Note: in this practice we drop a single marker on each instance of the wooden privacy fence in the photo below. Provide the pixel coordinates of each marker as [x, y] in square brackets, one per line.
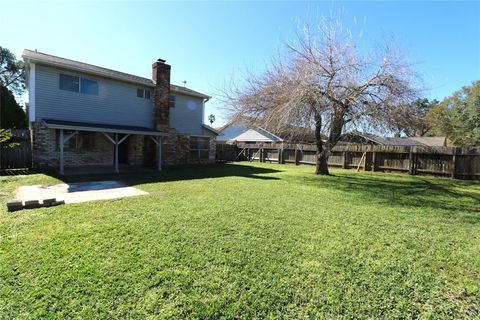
[460, 163]
[19, 156]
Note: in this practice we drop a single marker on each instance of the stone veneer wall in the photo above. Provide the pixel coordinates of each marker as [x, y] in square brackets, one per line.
[212, 153]
[135, 150]
[176, 151]
[45, 153]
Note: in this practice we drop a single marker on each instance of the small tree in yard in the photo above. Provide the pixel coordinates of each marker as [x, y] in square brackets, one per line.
[325, 83]
[11, 82]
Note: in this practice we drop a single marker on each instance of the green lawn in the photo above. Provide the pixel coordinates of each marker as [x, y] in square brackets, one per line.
[247, 241]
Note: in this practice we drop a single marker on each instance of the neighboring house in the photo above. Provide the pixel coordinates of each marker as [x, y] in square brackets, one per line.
[85, 115]
[242, 133]
[431, 141]
[365, 138]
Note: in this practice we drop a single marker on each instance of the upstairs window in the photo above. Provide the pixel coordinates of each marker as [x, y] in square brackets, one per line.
[142, 93]
[77, 84]
[171, 101]
[69, 83]
[89, 86]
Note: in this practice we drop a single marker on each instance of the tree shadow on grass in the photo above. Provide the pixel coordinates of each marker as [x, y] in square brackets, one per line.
[447, 196]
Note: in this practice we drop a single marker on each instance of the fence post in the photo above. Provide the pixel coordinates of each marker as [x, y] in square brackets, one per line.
[411, 161]
[454, 163]
[296, 155]
[262, 155]
[280, 156]
[344, 162]
[374, 160]
[365, 161]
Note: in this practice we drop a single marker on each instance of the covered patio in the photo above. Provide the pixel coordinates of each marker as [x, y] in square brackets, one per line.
[116, 134]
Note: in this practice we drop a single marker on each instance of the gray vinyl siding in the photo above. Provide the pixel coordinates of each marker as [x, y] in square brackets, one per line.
[187, 115]
[116, 102]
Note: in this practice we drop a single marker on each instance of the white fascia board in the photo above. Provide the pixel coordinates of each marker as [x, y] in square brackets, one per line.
[107, 130]
[31, 92]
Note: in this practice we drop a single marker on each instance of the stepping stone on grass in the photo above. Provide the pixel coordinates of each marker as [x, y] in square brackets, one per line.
[14, 205]
[32, 204]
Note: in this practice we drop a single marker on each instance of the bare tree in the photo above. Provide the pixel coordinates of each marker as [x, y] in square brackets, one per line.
[324, 82]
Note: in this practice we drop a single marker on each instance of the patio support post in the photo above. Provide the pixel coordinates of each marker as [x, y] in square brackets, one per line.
[116, 153]
[158, 142]
[116, 143]
[61, 142]
[159, 154]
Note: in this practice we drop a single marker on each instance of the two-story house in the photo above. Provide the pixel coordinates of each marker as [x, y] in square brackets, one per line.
[82, 115]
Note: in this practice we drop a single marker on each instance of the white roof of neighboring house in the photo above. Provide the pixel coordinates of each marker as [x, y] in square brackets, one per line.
[241, 133]
[431, 141]
[60, 62]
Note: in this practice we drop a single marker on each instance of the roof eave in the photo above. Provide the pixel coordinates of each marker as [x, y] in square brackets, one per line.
[212, 129]
[69, 67]
[105, 130]
[191, 94]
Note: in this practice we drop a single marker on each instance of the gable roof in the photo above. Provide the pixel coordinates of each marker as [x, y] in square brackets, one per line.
[248, 133]
[257, 135]
[291, 133]
[211, 129]
[51, 60]
[431, 141]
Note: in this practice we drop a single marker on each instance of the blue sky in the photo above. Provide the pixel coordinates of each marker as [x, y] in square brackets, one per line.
[209, 42]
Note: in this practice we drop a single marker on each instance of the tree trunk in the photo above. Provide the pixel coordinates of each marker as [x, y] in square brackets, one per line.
[321, 166]
[322, 163]
[324, 151]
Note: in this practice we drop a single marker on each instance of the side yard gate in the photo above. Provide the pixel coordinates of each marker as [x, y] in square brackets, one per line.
[19, 156]
[459, 163]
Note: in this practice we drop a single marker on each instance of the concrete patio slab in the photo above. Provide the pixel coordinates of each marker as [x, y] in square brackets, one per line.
[78, 192]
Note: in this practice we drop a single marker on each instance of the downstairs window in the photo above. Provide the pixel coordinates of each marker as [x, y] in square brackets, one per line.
[199, 148]
[81, 141]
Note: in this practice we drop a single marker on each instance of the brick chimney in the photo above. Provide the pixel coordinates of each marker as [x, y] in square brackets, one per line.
[161, 75]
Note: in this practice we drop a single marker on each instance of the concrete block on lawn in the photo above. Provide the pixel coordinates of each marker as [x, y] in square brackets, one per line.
[14, 205]
[49, 202]
[32, 204]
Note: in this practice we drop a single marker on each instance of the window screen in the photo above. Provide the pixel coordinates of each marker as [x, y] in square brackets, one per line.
[199, 148]
[89, 86]
[69, 83]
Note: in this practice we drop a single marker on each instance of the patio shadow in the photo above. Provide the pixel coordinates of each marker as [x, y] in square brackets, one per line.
[180, 173]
